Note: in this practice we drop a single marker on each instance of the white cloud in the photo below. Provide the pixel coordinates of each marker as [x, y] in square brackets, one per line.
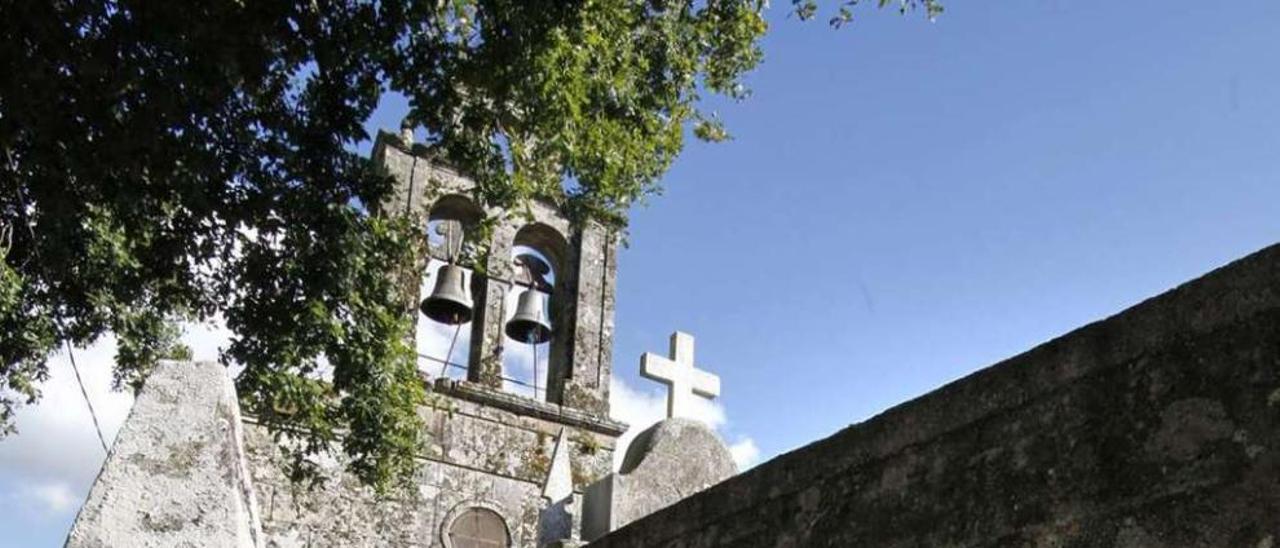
[53, 497]
[745, 453]
[56, 454]
[432, 339]
[56, 441]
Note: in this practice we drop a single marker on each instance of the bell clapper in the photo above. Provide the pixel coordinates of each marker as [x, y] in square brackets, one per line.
[534, 347]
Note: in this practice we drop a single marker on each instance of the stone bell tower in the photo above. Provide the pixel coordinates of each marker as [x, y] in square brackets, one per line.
[501, 468]
[583, 257]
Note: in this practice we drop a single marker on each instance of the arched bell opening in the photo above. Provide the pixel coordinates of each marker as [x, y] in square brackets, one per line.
[443, 334]
[532, 323]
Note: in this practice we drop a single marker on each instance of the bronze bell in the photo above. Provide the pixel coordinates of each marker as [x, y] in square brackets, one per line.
[448, 302]
[528, 325]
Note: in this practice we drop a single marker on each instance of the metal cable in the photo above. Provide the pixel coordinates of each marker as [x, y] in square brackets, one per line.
[445, 364]
[534, 346]
[92, 414]
[464, 368]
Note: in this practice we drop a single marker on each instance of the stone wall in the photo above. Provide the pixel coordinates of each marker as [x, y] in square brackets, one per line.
[1157, 427]
[486, 449]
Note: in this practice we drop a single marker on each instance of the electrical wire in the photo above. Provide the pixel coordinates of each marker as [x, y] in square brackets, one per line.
[92, 414]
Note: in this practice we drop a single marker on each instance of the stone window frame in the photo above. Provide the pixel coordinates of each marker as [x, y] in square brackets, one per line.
[460, 509]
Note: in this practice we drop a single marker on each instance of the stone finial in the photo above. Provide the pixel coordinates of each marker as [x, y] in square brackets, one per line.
[681, 376]
[406, 132]
[557, 522]
[559, 483]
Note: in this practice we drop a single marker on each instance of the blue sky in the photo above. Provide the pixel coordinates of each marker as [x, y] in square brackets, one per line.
[903, 203]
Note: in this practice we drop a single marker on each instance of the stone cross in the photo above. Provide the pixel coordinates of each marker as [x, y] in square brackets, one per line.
[679, 374]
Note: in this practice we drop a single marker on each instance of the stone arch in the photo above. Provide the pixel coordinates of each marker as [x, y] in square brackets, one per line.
[546, 240]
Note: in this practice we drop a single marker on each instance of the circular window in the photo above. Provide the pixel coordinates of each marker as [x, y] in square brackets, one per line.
[478, 528]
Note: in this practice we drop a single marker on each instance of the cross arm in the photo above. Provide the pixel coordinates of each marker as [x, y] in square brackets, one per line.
[705, 384]
[657, 368]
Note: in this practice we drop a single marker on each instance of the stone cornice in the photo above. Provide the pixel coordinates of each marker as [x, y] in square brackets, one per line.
[528, 407]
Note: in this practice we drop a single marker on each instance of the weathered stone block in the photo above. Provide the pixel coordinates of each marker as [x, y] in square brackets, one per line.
[176, 475]
[664, 464]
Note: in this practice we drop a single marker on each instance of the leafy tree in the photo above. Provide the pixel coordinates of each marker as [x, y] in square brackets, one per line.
[808, 9]
[167, 161]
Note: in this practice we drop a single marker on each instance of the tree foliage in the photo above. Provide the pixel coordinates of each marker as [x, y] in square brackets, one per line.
[169, 161]
[808, 9]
